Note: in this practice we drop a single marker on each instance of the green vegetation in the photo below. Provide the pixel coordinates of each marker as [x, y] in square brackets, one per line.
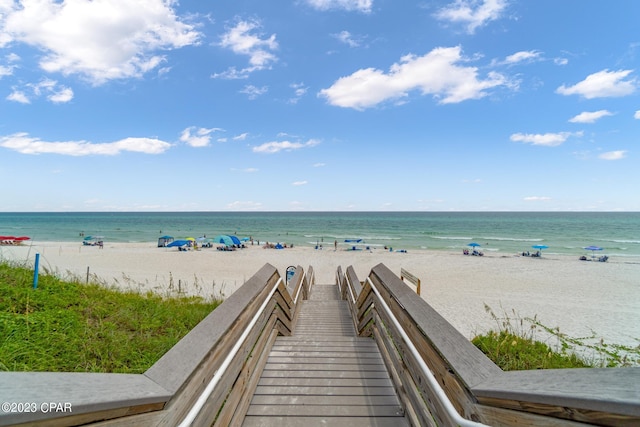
[515, 346]
[68, 326]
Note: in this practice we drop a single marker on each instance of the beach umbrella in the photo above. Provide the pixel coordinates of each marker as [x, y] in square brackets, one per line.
[593, 250]
[540, 247]
[178, 243]
[474, 244]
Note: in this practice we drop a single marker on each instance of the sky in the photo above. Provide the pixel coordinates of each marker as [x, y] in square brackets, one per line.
[319, 105]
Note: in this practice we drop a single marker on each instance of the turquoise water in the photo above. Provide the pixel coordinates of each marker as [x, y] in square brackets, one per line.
[503, 232]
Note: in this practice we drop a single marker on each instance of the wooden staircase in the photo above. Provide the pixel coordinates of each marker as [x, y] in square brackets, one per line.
[324, 374]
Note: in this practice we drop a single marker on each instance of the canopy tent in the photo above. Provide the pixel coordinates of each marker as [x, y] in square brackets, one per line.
[164, 241]
[224, 239]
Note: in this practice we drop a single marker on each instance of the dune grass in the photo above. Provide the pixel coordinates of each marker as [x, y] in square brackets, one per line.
[69, 326]
[516, 345]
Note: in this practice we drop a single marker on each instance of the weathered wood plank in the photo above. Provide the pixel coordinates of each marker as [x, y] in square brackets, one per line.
[380, 373]
[586, 391]
[91, 396]
[325, 421]
[326, 391]
[326, 400]
[324, 367]
[327, 410]
[326, 382]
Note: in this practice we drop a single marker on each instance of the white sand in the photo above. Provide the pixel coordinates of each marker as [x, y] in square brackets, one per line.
[576, 296]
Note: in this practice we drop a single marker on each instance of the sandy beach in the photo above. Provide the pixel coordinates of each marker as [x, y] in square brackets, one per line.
[578, 297]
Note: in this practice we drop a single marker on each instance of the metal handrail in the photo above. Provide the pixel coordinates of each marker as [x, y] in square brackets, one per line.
[433, 384]
[204, 396]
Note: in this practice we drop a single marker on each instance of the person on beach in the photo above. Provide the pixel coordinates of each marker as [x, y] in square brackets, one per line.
[335, 245]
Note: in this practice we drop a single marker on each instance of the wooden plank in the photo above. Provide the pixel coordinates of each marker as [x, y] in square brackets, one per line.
[380, 373]
[326, 382]
[324, 367]
[326, 410]
[326, 400]
[326, 391]
[411, 278]
[92, 396]
[325, 421]
[327, 360]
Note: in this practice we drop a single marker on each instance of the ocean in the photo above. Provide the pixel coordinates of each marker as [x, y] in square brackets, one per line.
[618, 233]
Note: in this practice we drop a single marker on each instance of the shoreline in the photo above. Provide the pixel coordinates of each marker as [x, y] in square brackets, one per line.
[578, 297]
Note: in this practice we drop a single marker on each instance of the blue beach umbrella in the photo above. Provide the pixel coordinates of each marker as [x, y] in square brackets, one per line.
[540, 247]
[178, 243]
[474, 244]
[593, 249]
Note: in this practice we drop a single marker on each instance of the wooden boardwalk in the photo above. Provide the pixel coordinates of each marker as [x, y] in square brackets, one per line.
[324, 374]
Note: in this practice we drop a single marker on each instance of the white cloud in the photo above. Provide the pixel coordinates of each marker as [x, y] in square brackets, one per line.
[349, 5]
[101, 39]
[603, 84]
[61, 96]
[18, 96]
[242, 40]
[636, 115]
[241, 137]
[560, 61]
[197, 137]
[253, 92]
[50, 88]
[23, 143]
[590, 116]
[319, 165]
[537, 199]
[347, 38]
[472, 13]
[7, 70]
[613, 155]
[275, 147]
[299, 91]
[436, 73]
[545, 139]
[298, 183]
[522, 56]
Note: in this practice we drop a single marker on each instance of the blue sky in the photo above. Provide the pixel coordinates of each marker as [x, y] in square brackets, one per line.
[307, 105]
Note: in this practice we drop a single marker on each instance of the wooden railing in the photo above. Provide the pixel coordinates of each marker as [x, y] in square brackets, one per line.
[206, 379]
[419, 346]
